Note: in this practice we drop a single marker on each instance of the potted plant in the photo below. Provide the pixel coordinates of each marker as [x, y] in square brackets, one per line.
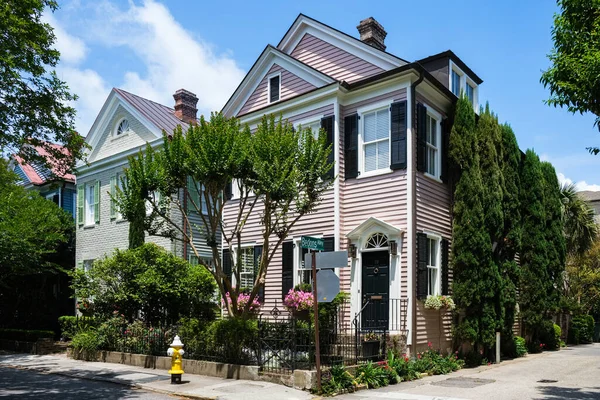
[299, 303]
[370, 345]
[439, 303]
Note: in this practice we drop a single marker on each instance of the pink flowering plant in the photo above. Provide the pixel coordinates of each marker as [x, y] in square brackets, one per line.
[298, 300]
[242, 300]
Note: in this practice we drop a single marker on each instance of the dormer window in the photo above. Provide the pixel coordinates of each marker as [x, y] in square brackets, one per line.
[470, 90]
[461, 83]
[274, 88]
[455, 83]
[123, 127]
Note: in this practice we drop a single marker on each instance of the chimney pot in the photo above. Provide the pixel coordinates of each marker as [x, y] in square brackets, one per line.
[185, 105]
[372, 33]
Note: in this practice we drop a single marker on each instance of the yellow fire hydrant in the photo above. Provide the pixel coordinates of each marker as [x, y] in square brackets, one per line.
[176, 352]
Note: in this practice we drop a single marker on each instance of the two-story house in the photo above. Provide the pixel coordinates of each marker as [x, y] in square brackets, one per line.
[390, 206]
[125, 125]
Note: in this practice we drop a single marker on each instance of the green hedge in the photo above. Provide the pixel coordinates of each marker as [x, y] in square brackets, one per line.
[71, 325]
[581, 329]
[25, 335]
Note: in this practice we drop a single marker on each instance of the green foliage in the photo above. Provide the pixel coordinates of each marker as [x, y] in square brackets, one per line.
[234, 338]
[520, 346]
[581, 229]
[582, 286]
[71, 325]
[304, 287]
[149, 279]
[581, 329]
[372, 375]
[277, 167]
[574, 76]
[548, 337]
[25, 334]
[432, 361]
[405, 368]
[337, 380]
[86, 344]
[36, 106]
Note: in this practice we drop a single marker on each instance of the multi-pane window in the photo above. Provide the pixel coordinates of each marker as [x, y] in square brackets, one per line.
[247, 267]
[123, 127]
[455, 83]
[90, 204]
[433, 266]
[469, 92]
[196, 197]
[432, 145]
[274, 88]
[376, 138]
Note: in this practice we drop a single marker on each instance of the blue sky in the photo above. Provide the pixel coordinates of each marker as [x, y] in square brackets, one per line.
[153, 48]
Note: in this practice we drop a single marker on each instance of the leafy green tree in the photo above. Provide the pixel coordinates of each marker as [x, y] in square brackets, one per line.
[581, 229]
[150, 280]
[554, 232]
[279, 173]
[574, 76]
[582, 283]
[34, 109]
[535, 280]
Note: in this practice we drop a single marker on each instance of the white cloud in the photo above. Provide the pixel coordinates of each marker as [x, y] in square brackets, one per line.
[72, 49]
[581, 185]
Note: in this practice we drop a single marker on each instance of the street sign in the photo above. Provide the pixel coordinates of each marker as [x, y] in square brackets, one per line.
[329, 259]
[312, 243]
[328, 285]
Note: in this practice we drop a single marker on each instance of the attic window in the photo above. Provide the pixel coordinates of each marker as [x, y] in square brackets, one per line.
[274, 88]
[123, 127]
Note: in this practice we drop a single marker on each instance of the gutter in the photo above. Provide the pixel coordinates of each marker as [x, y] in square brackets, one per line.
[411, 183]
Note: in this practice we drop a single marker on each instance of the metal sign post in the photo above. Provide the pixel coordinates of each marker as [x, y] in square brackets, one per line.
[316, 310]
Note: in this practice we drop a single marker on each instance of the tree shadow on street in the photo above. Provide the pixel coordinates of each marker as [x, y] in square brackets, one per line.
[557, 392]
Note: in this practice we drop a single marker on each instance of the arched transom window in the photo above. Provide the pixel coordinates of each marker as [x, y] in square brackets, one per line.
[377, 240]
[123, 127]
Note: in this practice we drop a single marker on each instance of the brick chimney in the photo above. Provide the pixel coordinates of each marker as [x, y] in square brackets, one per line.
[372, 33]
[185, 105]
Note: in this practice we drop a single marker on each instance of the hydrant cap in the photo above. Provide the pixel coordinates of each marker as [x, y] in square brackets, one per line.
[177, 342]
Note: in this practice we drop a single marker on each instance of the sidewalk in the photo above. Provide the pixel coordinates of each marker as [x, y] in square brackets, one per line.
[194, 386]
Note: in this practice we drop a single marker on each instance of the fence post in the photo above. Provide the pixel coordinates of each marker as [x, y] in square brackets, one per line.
[259, 350]
[293, 343]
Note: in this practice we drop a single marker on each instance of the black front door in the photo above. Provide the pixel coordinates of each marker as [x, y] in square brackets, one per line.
[375, 290]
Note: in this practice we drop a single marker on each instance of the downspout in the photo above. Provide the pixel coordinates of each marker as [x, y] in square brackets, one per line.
[411, 182]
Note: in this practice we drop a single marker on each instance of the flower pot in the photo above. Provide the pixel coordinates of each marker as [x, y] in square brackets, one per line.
[370, 348]
[303, 315]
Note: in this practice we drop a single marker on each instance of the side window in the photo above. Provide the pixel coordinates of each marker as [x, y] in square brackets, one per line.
[433, 266]
[376, 140]
[274, 88]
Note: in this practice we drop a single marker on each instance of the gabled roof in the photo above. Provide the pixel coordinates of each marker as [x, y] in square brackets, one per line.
[161, 116]
[268, 57]
[450, 54]
[378, 57]
[589, 195]
[37, 173]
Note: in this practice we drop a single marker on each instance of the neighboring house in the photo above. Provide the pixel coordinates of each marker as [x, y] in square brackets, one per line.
[55, 186]
[125, 124]
[593, 199]
[390, 206]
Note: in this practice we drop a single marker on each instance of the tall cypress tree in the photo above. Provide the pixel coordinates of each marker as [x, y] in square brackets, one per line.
[534, 249]
[555, 237]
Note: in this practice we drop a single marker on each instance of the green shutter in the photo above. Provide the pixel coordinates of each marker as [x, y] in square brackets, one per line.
[80, 202]
[113, 193]
[97, 202]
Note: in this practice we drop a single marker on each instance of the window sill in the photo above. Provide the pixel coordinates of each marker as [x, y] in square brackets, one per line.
[433, 178]
[115, 138]
[89, 226]
[375, 173]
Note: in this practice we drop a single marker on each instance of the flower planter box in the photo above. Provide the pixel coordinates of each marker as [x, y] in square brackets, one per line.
[370, 348]
[302, 315]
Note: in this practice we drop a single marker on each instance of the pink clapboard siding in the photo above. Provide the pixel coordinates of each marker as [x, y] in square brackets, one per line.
[333, 61]
[319, 222]
[291, 85]
[382, 196]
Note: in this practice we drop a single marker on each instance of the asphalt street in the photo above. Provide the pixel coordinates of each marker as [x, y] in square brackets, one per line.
[21, 384]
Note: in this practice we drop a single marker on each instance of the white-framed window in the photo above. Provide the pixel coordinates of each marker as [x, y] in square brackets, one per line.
[313, 125]
[192, 259]
[301, 275]
[455, 82]
[54, 197]
[196, 196]
[90, 203]
[246, 267]
[470, 92]
[374, 137]
[122, 127]
[115, 183]
[274, 88]
[460, 82]
[432, 143]
[87, 265]
[433, 265]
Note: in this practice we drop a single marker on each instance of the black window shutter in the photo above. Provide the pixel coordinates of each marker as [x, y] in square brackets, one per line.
[227, 263]
[229, 190]
[421, 137]
[327, 125]
[257, 256]
[444, 244]
[306, 274]
[351, 146]
[287, 268]
[329, 244]
[398, 135]
[445, 146]
[422, 275]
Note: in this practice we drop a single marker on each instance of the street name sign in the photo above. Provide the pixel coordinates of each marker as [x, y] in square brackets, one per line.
[329, 259]
[312, 243]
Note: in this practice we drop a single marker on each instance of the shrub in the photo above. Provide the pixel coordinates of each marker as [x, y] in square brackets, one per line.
[520, 346]
[70, 325]
[581, 329]
[337, 380]
[87, 344]
[371, 375]
[432, 361]
[548, 337]
[557, 335]
[404, 367]
[234, 339]
[25, 335]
